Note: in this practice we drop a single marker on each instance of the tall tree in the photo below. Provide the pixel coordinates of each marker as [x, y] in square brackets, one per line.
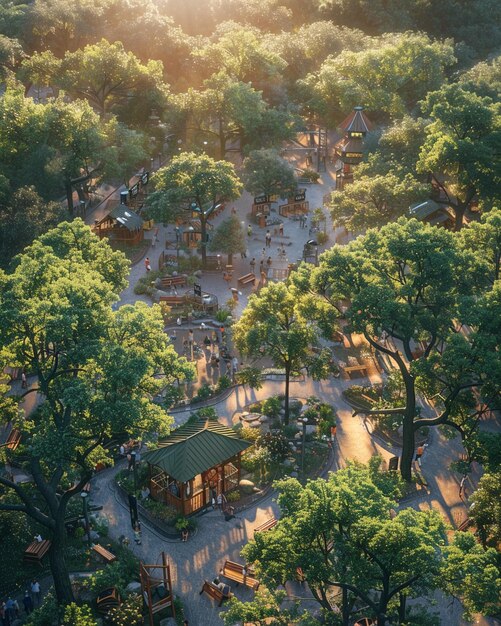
[462, 149]
[193, 183]
[271, 325]
[265, 171]
[229, 238]
[95, 371]
[411, 288]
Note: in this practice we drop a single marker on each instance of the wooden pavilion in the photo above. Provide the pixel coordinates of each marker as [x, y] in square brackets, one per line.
[195, 464]
[121, 224]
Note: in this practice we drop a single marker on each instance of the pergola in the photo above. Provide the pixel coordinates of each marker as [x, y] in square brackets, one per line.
[196, 463]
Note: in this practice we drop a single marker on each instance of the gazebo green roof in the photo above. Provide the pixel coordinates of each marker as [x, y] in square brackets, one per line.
[196, 448]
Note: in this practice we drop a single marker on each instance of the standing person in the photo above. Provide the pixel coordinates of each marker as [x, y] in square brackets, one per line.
[261, 266]
[137, 533]
[178, 233]
[35, 592]
[24, 382]
[268, 239]
[249, 231]
[190, 337]
[147, 264]
[268, 262]
[281, 230]
[27, 602]
[253, 264]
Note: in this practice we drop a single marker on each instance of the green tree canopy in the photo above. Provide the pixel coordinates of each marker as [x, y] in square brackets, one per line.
[229, 238]
[272, 325]
[462, 147]
[96, 371]
[193, 182]
[265, 171]
[417, 285]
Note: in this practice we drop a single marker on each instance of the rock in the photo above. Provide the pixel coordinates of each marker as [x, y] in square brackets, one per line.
[263, 419]
[198, 273]
[310, 429]
[93, 535]
[294, 475]
[158, 283]
[298, 436]
[247, 486]
[282, 412]
[294, 449]
[133, 587]
[295, 405]
[288, 463]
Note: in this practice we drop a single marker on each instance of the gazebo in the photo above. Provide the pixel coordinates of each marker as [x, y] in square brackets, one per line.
[195, 464]
[121, 224]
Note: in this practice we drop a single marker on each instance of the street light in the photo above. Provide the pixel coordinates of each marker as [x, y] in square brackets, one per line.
[84, 495]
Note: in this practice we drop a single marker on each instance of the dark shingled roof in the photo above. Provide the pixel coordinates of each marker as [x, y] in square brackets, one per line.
[356, 122]
[195, 448]
[125, 216]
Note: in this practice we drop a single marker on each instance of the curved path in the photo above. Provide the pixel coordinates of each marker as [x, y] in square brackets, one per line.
[215, 540]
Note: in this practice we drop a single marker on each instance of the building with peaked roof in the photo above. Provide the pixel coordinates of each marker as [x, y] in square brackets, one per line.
[432, 213]
[121, 224]
[195, 464]
[349, 150]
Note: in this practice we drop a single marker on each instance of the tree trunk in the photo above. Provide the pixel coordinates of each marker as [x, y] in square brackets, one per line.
[69, 197]
[203, 234]
[286, 402]
[408, 428]
[222, 141]
[345, 608]
[459, 211]
[230, 259]
[59, 570]
[402, 607]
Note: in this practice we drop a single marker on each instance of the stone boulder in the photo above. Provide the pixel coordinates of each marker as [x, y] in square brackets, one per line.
[247, 486]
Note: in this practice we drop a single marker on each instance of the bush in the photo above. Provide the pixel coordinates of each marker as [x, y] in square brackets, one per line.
[277, 446]
[222, 315]
[48, 613]
[310, 175]
[256, 407]
[172, 396]
[250, 434]
[118, 574]
[271, 406]
[250, 376]
[322, 238]
[161, 511]
[204, 393]
[129, 612]
[75, 615]
[179, 608]
[290, 430]
[233, 496]
[223, 383]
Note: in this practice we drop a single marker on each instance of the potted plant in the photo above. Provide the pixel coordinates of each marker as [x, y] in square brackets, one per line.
[183, 525]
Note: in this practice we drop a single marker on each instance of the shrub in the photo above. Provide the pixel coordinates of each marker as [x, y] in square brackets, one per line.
[310, 175]
[118, 574]
[204, 393]
[271, 406]
[250, 376]
[48, 613]
[75, 615]
[129, 612]
[233, 496]
[322, 238]
[172, 396]
[290, 430]
[179, 608]
[277, 446]
[223, 383]
[256, 407]
[161, 511]
[222, 315]
[250, 434]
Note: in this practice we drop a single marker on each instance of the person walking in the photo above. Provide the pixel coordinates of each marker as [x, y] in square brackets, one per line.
[268, 239]
[253, 264]
[281, 230]
[35, 592]
[147, 264]
[261, 266]
[249, 231]
[24, 381]
[137, 534]
[27, 602]
[178, 233]
[268, 262]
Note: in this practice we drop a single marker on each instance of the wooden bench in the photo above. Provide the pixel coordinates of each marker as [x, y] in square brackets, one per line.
[35, 552]
[268, 525]
[13, 440]
[106, 555]
[173, 301]
[248, 278]
[173, 281]
[355, 368]
[214, 592]
[239, 574]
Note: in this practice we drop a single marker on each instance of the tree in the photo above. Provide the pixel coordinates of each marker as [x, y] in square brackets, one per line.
[390, 78]
[375, 200]
[264, 610]
[462, 148]
[344, 534]
[229, 238]
[415, 285]
[105, 75]
[96, 371]
[266, 172]
[271, 325]
[485, 509]
[195, 183]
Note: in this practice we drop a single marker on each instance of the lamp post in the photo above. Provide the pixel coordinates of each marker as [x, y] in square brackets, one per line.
[133, 461]
[84, 495]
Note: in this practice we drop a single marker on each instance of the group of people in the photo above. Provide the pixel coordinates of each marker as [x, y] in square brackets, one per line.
[10, 609]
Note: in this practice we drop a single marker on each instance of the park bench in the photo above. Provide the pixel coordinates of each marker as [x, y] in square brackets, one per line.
[239, 574]
[268, 525]
[362, 369]
[13, 440]
[173, 301]
[35, 552]
[106, 555]
[214, 592]
[248, 278]
[173, 281]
